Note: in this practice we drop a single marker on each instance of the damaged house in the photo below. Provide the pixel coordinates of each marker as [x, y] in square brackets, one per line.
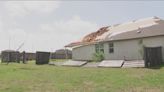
[141, 39]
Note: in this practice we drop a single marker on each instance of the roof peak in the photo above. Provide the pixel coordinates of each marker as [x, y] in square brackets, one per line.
[154, 18]
[148, 18]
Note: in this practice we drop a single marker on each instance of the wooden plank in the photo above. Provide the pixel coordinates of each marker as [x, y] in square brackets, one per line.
[74, 63]
[134, 63]
[111, 63]
[92, 64]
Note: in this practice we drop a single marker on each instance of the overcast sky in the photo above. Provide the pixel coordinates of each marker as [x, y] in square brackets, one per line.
[50, 25]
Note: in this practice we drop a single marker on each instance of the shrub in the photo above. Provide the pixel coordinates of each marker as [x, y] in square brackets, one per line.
[98, 56]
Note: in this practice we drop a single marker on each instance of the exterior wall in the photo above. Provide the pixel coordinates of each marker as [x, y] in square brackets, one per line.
[155, 42]
[83, 53]
[131, 49]
[125, 49]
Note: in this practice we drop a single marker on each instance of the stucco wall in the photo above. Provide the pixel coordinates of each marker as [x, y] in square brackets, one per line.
[128, 49]
[131, 49]
[83, 53]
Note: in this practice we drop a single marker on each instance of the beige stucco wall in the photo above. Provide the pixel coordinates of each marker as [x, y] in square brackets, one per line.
[83, 52]
[128, 49]
[131, 49]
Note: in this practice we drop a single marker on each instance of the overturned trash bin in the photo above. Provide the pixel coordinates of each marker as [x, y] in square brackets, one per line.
[42, 57]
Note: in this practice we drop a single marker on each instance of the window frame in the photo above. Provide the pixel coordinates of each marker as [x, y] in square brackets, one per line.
[111, 47]
[99, 47]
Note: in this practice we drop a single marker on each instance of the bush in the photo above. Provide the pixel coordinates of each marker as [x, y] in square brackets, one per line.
[98, 56]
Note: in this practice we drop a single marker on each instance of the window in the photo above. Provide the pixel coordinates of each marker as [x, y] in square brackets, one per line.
[140, 41]
[111, 48]
[99, 48]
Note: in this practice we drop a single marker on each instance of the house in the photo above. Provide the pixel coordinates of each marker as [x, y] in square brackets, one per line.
[134, 40]
[28, 56]
[10, 56]
[62, 54]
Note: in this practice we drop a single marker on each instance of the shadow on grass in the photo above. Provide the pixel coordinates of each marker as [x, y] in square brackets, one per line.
[157, 67]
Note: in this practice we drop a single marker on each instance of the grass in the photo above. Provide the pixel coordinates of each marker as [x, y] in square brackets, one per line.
[45, 78]
[59, 60]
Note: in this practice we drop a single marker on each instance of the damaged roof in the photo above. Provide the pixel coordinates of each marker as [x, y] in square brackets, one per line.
[90, 38]
[95, 35]
[147, 27]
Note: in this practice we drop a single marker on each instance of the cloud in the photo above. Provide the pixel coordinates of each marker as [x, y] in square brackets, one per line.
[22, 8]
[48, 37]
[60, 33]
[39, 34]
[1, 25]
[74, 26]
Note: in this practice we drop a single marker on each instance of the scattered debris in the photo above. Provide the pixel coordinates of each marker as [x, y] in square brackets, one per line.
[92, 64]
[111, 63]
[91, 38]
[134, 63]
[74, 63]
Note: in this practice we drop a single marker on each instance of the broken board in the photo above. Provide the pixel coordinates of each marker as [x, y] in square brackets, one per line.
[111, 63]
[56, 63]
[74, 63]
[91, 64]
[134, 63]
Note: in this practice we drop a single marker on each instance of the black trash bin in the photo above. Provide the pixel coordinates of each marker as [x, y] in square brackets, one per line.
[42, 57]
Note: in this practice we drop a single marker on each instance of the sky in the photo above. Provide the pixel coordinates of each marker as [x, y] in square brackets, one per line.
[50, 25]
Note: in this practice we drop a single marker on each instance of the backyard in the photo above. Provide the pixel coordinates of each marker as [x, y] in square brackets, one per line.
[48, 78]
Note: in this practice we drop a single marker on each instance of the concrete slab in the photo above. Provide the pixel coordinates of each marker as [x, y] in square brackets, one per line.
[74, 63]
[56, 63]
[134, 63]
[111, 63]
[92, 64]
[51, 63]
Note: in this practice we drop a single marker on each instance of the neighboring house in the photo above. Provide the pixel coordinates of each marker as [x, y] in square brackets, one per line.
[10, 56]
[127, 41]
[28, 56]
[16, 56]
[62, 54]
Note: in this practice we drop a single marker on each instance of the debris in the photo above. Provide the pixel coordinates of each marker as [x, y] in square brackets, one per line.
[111, 63]
[92, 37]
[134, 63]
[74, 63]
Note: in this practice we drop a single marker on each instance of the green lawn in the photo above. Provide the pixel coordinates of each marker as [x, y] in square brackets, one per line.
[45, 78]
